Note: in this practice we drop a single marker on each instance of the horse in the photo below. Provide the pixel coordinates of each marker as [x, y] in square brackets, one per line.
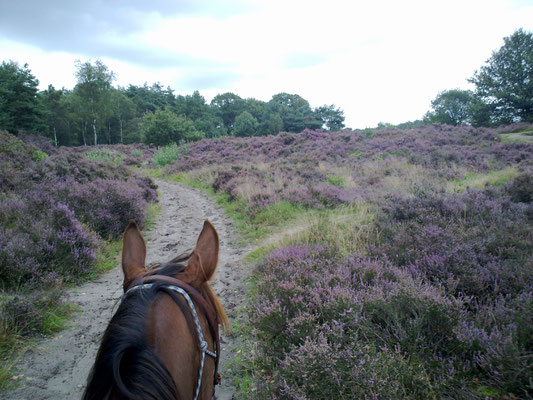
[163, 341]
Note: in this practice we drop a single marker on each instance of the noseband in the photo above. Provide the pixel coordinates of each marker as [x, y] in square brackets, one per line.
[146, 281]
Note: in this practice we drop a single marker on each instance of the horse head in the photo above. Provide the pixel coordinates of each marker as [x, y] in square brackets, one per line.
[163, 341]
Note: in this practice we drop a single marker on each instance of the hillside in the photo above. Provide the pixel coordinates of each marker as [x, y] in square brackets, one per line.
[395, 264]
[61, 212]
[388, 264]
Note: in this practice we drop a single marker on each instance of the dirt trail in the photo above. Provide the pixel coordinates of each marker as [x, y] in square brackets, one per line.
[57, 367]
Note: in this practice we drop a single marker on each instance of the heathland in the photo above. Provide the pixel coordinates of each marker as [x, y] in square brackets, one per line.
[390, 263]
[62, 211]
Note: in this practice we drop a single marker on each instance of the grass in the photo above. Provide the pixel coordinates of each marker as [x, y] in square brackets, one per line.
[257, 255]
[188, 180]
[6, 371]
[242, 366]
[267, 221]
[10, 350]
[56, 318]
[105, 155]
[13, 344]
[479, 180]
[106, 257]
[343, 228]
[517, 137]
[152, 212]
[252, 228]
[155, 173]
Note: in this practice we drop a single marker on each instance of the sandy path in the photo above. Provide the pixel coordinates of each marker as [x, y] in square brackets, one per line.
[57, 367]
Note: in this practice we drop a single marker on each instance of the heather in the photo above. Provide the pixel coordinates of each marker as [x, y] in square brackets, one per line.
[61, 210]
[427, 312]
[324, 169]
[401, 265]
[55, 209]
[475, 244]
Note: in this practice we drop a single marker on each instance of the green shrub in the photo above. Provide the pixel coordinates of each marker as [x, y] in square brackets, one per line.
[137, 153]
[335, 180]
[166, 155]
[105, 155]
[39, 155]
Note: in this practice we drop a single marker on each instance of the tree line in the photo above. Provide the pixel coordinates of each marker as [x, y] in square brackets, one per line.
[96, 112]
[503, 89]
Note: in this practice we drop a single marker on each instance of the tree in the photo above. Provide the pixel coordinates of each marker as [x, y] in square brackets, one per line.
[332, 118]
[195, 106]
[245, 125]
[123, 110]
[227, 106]
[271, 124]
[506, 82]
[150, 98]
[255, 107]
[19, 104]
[210, 125]
[94, 88]
[55, 114]
[294, 111]
[164, 127]
[452, 107]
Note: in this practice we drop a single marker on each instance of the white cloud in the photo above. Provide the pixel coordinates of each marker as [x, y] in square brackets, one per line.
[379, 61]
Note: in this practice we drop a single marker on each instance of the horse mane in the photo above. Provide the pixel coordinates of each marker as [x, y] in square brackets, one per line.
[212, 298]
[125, 365]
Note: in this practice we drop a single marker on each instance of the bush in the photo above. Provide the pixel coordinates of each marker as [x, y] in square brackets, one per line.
[137, 153]
[166, 155]
[49, 204]
[164, 127]
[106, 206]
[41, 241]
[335, 180]
[323, 369]
[444, 304]
[333, 327]
[53, 202]
[39, 155]
[521, 188]
[476, 243]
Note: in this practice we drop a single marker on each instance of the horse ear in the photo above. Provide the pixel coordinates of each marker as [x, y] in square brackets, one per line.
[133, 253]
[204, 258]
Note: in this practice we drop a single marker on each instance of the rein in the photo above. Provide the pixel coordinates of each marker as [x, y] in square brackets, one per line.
[191, 295]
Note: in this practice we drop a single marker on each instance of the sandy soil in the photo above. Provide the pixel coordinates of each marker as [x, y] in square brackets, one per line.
[57, 367]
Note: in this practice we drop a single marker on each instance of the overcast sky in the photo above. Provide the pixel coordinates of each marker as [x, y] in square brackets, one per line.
[378, 60]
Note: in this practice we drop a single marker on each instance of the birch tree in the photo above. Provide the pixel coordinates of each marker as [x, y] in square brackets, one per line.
[94, 89]
[123, 110]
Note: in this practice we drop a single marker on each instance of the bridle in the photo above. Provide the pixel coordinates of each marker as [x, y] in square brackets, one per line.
[191, 295]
